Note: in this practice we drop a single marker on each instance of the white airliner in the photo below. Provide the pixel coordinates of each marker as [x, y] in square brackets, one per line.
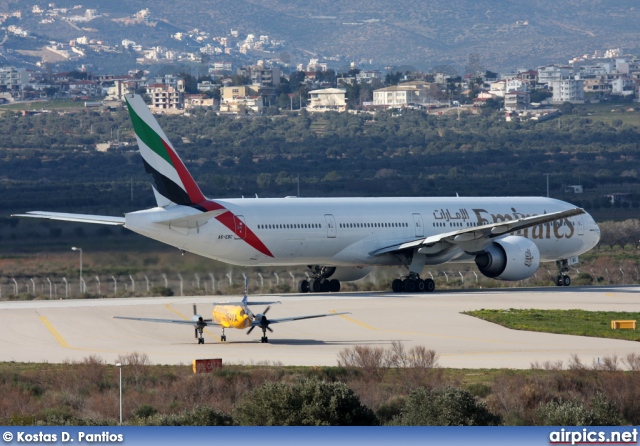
[343, 238]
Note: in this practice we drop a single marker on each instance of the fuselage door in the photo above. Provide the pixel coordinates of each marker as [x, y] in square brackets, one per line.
[331, 225]
[580, 225]
[417, 219]
[241, 228]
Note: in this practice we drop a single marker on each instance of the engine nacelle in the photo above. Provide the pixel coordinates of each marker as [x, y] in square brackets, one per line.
[510, 258]
[350, 273]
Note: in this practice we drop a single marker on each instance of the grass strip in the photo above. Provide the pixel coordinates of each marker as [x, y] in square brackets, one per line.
[571, 322]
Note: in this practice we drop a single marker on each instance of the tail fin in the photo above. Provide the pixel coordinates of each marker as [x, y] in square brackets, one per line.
[172, 179]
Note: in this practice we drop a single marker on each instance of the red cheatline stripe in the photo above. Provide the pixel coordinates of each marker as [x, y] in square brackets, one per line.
[190, 185]
[231, 222]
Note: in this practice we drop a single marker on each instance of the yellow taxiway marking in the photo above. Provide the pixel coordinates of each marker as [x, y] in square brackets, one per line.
[186, 319]
[355, 321]
[54, 332]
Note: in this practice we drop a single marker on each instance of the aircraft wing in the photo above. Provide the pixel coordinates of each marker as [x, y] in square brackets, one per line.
[476, 234]
[78, 218]
[298, 318]
[247, 303]
[205, 322]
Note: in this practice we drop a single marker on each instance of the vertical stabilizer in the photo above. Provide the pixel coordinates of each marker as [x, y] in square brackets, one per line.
[172, 179]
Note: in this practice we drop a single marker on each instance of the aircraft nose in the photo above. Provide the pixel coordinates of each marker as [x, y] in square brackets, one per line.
[593, 230]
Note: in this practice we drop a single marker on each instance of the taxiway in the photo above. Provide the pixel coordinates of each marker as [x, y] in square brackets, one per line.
[59, 330]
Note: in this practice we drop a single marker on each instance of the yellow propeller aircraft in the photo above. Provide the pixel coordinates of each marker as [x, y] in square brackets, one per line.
[232, 315]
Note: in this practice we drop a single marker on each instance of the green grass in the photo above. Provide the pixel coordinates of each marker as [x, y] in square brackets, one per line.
[45, 104]
[571, 322]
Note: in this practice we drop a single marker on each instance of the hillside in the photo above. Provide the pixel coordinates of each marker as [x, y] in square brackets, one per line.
[506, 35]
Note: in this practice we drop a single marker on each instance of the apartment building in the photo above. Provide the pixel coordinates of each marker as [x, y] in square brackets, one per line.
[166, 97]
[552, 73]
[12, 78]
[328, 99]
[414, 92]
[517, 100]
[568, 90]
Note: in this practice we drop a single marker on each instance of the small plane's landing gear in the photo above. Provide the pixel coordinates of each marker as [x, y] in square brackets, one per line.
[223, 338]
[563, 278]
[320, 283]
[413, 284]
[264, 340]
[199, 336]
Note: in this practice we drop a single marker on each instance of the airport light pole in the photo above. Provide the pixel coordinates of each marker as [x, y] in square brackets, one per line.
[119, 365]
[73, 248]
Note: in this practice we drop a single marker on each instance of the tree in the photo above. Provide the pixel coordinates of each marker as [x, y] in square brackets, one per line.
[450, 406]
[309, 402]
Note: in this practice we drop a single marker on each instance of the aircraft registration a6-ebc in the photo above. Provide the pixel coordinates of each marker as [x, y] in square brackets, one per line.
[341, 239]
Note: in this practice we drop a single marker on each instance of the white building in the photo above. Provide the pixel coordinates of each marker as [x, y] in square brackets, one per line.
[568, 90]
[551, 73]
[12, 78]
[415, 92]
[329, 99]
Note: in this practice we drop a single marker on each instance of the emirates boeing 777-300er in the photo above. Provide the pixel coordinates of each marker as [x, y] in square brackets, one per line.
[341, 239]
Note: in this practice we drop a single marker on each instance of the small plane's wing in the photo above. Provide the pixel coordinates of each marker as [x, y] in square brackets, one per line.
[78, 218]
[204, 323]
[436, 243]
[298, 318]
[247, 303]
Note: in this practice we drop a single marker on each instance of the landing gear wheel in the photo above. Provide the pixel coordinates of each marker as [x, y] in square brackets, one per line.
[429, 285]
[315, 286]
[200, 340]
[420, 286]
[334, 285]
[264, 340]
[303, 286]
[566, 280]
[408, 285]
[396, 285]
[223, 338]
[324, 286]
[559, 281]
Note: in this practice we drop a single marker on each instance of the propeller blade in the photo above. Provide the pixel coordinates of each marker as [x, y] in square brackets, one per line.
[266, 310]
[269, 328]
[250, 330]
[195, 310]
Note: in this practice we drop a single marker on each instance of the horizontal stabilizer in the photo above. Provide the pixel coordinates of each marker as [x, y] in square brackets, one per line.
[78, 218]
[193, 221]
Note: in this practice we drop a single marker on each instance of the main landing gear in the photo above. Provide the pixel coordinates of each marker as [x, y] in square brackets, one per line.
[320, 282]
[563, 278]
[199, 335]
[413, 284]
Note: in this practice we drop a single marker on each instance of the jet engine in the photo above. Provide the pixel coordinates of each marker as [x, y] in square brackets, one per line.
[510, 258]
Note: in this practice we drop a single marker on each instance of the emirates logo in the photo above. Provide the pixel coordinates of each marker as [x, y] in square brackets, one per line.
[528, 258]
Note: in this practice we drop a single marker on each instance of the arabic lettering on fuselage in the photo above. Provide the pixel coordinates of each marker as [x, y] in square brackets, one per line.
[442, 214]
[562, 228]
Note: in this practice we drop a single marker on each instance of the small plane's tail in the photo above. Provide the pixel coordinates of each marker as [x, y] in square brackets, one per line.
[173, 182]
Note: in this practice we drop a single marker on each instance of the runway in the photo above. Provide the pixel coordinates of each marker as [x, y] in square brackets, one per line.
[60, 330]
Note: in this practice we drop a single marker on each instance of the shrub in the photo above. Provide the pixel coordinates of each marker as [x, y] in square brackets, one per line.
[309, 402]
[199, 416]
[576, 413]
[450, 406]
[159, 290]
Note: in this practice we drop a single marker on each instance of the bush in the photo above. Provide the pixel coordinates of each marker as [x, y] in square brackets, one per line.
[199, 416]
[450, 406]
[161, 291]
[576, 413]
[309, 402]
